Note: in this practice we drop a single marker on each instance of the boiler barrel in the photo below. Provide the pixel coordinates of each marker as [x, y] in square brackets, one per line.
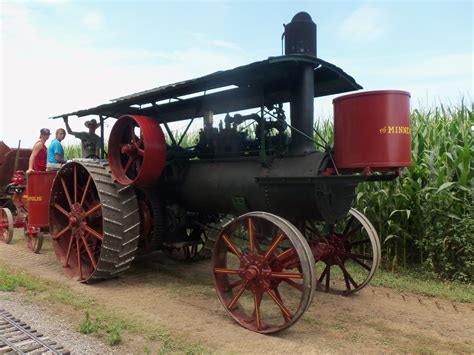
[237, 186]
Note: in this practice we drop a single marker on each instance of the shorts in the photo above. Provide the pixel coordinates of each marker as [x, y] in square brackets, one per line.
[53, 166]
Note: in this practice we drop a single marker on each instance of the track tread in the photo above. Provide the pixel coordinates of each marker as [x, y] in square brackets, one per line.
[120, 222]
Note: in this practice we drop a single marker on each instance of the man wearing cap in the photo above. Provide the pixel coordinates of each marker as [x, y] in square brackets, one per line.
[38, 155]
[90, 141]
[56, 151]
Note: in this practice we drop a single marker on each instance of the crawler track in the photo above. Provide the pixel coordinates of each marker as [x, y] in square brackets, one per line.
[16, 337]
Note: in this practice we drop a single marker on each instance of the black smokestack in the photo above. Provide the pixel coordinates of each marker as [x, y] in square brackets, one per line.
[300, 39]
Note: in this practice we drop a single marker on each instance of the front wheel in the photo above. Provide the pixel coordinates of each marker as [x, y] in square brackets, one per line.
[34, 238]
[6, 225]
[263, 272]
[347, 253]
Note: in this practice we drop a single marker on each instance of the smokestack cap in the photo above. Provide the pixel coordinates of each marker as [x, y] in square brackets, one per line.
[300, 35]
[302, 17]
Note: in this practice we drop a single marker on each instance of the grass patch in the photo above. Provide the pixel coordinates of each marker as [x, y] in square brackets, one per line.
[106, 323]
[11, 279]
[89, 326]
[412, 281]
[7, 282]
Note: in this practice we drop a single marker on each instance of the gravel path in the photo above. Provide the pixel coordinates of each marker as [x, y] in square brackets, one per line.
[39, 318]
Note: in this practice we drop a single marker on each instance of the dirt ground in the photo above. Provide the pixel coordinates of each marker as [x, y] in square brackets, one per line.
[180, 298]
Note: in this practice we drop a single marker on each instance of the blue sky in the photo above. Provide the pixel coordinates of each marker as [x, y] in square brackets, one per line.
[59, 56]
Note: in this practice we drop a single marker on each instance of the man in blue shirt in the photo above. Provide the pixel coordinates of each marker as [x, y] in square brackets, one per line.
[56, 151]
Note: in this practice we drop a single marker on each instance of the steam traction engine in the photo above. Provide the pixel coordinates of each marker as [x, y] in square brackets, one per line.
[296, 231]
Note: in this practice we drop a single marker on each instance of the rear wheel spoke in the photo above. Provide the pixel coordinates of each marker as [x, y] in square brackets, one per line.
[62, 210]
[79, 264]
[94, 233]
[68, 254]
[89, 252]
[66, 192]
[85, 190]
[61, 233]
[75, 184]
[93, 209]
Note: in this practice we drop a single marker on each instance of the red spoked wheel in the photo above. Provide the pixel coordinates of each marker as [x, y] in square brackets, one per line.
[94, 222]
[34, 238]
[193, 247]
[347, 254]
[263, 272]
[137, 150]
[6, 225]
[151, 221]
[76, 220]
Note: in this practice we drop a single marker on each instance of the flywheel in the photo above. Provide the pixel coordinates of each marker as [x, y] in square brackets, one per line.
[94, 221]
[137, 150]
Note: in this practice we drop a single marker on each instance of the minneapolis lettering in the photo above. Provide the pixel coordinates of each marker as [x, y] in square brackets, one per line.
[395, 130]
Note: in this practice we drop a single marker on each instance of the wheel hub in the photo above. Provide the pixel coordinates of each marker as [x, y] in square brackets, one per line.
[330, 249]
[130, 150]
[255, 270]
[77, 217]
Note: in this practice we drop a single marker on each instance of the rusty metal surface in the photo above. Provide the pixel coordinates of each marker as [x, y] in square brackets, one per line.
[7, 163]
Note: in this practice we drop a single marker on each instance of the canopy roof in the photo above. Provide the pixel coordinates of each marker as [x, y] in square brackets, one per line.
[265, 82]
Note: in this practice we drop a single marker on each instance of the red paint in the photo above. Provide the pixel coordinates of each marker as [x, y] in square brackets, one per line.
[128, 154]
[39, 188]
[372, 130]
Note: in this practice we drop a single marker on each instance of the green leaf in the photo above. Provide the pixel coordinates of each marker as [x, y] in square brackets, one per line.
[444, 186]
[391, 236]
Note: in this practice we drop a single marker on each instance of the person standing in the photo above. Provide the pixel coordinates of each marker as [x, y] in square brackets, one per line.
[89, 140]
[38, 155]
[56, 151]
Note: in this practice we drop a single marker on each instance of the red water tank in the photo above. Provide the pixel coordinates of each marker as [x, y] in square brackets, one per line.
[372, 130]
[39, 191]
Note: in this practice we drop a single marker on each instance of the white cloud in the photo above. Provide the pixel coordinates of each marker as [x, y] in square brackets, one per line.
[225, 44]
[366, 23]
[214, 42]
[93, 20]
